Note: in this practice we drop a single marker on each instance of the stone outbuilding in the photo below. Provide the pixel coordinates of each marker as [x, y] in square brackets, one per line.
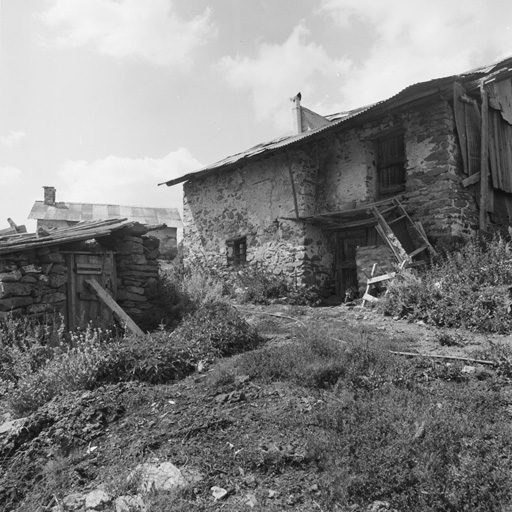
[427, 165]
[88, 273]
[164, 222]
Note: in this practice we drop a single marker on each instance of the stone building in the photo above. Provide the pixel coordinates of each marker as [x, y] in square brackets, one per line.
[51, 213]
[306, 206]
[51, 274]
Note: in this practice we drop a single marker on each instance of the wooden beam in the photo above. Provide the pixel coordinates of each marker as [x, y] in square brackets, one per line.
[472, 180]
[484, 163]
[390, 238]
[292, 181]
[114, 307]
[439, 356]
[383, 277]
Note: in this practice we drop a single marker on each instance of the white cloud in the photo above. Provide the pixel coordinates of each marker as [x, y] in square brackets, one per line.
[148, 30]
[12, 139]
[414, 41]
[9, 175]
[126, 181]
[278, 72]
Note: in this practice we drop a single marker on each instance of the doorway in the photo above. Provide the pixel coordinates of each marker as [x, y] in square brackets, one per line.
[84, 306]
[345, 268]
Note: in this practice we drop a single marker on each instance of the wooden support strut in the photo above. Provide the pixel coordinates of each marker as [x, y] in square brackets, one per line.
[484, 163]
[114, 307]
[294, 192]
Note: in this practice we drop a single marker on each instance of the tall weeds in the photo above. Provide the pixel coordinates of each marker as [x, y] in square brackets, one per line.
[467, 288]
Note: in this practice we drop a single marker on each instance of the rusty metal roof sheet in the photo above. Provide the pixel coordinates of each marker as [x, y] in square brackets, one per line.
[77, 212]
[410, 94]
[86, 230]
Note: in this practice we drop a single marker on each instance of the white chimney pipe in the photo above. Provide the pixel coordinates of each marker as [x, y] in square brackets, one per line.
[297, 116]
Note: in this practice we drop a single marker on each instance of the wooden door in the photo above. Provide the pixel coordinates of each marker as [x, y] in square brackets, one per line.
[345, 268]
[83, 303]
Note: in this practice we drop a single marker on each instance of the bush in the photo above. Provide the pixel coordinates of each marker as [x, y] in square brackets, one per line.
[467, 289]
[215, 330]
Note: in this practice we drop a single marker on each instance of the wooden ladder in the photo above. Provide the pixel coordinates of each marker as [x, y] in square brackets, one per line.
[385, 230]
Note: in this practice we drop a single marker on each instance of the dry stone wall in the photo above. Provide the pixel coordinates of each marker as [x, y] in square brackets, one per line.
[137, 273]
[35, 282]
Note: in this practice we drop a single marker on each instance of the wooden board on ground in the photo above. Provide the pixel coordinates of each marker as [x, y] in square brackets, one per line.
[114, 307]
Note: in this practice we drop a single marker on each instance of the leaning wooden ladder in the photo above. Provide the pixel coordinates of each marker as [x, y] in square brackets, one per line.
[403, 258]
[386, 232]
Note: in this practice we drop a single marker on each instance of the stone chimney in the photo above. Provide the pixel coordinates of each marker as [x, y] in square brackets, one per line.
[297, 115]
[49, 196]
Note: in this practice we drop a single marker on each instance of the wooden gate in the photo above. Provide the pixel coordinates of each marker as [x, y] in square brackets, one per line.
[345, 267]
[84, 305]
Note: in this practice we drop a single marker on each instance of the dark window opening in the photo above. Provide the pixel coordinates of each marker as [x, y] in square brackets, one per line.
[390, 164]
[236, 250]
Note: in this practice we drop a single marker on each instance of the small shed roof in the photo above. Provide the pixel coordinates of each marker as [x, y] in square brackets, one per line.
[78, 212]
[410, 94]
[82, 231]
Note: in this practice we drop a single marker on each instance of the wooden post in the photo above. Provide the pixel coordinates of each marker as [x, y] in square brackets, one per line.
[484, 162]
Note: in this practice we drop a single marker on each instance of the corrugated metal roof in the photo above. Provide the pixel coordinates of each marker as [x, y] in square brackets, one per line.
[77, 212]
[78, 232]
[409, 94]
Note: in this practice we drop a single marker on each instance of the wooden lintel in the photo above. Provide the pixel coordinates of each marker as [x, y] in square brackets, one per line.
[114, 307]
[472, 180]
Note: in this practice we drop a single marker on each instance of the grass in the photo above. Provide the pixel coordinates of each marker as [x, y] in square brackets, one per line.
[331, 424]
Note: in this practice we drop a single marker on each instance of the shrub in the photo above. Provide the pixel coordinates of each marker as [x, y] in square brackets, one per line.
[215, 330]
[169, 304]
[467, 289]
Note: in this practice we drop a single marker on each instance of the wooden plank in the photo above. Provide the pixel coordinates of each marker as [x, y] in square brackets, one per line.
[460, 122]
[397, 219]
[292, 182]
[389, 237]
[439, 356]
[114, 307]
[417, 251]
[369, 298]
[472, 180]
[484, 162]
[71, 289]
[383, 277]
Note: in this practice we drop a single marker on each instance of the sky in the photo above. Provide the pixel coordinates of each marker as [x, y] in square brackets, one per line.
[104, 99]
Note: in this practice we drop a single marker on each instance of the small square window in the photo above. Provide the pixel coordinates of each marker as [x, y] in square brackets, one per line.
[390, 163]
[236, 251]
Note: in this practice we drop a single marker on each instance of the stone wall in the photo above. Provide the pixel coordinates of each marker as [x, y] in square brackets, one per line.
[35, 282]
[337, 172]
[137, 273]
[257, 202]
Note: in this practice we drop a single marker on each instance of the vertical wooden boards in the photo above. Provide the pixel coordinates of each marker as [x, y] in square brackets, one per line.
[484, 163]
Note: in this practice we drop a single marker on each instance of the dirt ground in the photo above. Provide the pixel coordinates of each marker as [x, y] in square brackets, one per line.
[231, 433]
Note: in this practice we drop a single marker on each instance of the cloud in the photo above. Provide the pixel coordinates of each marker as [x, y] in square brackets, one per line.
[146, 30]
[278, 72]
[126, 181]
[414, 41]
[9, 175]
[12, 139]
